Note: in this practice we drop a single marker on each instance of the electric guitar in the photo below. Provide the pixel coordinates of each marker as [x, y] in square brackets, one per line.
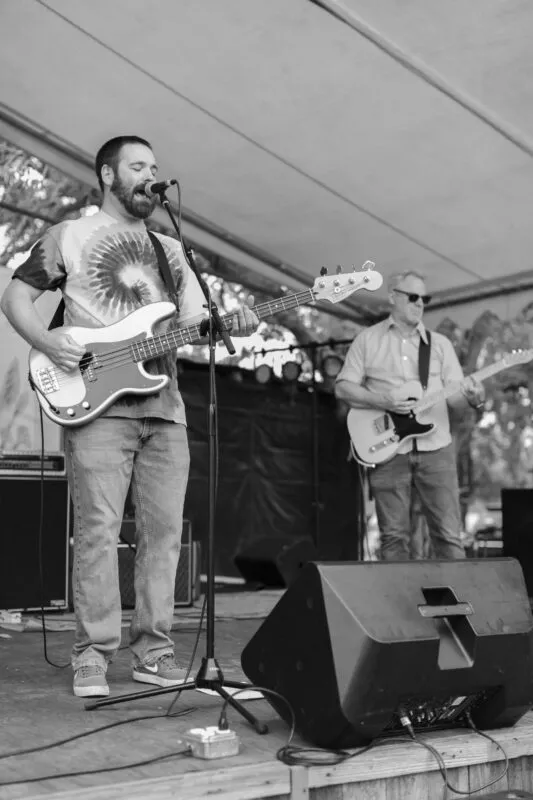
[113, 363]
[377, 435]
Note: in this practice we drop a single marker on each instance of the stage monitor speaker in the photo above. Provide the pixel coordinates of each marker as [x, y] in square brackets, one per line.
[352, 646]
[274, 560]
[517, 530]
[20, 515]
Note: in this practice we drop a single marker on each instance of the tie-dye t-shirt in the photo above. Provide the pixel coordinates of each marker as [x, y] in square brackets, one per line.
[106, 269]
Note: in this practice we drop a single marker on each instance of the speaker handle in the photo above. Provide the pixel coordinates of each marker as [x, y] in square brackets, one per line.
[455, 610]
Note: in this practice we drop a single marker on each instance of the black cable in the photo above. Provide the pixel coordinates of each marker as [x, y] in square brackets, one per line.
[102, 728]
[40, 553]
[361, 512]
[76, 736]
[97, 771]
[191, 660]
[293, 755]
[499, 777]
[223, 719]
[404, 720]
[310, 756]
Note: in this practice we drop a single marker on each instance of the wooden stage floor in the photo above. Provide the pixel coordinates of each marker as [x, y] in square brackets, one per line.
[37, 708]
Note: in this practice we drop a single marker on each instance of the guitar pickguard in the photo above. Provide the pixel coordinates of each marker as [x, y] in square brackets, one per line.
[376, 436]
[406, 425]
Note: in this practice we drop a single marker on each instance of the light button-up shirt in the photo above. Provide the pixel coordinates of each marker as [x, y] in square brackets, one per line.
[382, 359]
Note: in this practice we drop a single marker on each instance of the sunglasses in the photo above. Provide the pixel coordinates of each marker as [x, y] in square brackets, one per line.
[413, 297]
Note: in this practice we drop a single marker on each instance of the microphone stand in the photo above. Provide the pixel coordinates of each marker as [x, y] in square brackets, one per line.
[210, 675]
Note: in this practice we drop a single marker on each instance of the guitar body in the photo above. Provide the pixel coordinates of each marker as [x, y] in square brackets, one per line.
[377, 435]
[109, 370]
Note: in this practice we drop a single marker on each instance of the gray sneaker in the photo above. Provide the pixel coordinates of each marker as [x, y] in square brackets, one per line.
[90, 681]
[163, 672]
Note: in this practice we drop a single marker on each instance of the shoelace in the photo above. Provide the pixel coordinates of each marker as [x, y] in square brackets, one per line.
[89, 671]
[167, 661]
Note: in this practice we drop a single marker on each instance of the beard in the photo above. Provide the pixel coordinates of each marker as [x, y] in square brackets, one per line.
[134, 200]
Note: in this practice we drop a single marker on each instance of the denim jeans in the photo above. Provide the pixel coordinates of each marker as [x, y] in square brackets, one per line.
[103, 457]
[433, 475]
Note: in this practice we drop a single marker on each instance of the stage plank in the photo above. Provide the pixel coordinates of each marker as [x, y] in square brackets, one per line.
[521, 774]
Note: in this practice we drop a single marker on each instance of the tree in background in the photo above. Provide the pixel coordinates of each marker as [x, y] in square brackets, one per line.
[495, 448]
[46, 195]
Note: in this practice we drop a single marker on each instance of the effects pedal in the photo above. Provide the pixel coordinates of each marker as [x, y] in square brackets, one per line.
[211, 742]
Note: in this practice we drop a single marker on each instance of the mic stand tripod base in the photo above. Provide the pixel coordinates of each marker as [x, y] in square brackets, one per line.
[209, 676]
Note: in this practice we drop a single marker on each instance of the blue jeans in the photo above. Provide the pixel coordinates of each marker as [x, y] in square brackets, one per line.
[103, 457]
[433, 475]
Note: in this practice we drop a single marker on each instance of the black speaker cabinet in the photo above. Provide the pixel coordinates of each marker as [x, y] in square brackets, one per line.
[352, 645]
[20, 521]
[274, 560]
[187, 586]
[517, 530]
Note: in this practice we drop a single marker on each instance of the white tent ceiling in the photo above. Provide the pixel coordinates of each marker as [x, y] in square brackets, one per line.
[303, 133]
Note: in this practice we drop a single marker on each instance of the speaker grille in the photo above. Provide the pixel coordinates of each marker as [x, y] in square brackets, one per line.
[185, 591]
[20, 512]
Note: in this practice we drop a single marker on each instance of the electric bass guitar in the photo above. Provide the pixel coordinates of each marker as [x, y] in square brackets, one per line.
[376, 435]
[113, 363]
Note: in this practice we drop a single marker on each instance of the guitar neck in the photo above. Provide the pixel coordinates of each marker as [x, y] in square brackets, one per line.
[166, 342]
[443, 394]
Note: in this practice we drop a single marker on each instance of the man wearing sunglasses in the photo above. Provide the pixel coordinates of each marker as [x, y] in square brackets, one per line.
[381, 367]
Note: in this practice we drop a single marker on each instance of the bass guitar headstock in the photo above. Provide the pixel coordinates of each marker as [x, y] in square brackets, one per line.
[341, 285]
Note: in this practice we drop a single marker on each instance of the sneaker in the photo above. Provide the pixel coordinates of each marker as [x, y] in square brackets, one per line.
[90, 681]
[163, 672]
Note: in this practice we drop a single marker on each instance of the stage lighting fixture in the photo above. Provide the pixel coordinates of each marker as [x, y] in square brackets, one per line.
[331, 364]
[263, 373]
[291, 370]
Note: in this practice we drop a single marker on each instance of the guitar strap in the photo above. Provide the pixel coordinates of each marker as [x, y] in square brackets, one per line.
[424, 351]
[57, 319]
[164, 269]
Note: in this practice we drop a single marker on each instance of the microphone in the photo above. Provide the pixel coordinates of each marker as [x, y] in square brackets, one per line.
[154, 188]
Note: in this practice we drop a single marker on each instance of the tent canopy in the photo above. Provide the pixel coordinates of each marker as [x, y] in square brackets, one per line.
[303, 133]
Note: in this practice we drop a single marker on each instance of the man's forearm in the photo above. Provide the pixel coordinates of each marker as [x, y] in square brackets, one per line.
[358, 397]
[460, 402]
[23, 316]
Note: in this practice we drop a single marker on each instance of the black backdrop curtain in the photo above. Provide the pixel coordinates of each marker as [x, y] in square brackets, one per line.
[280, 450]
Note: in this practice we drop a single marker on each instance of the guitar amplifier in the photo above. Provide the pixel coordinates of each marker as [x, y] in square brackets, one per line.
[32, 464]
[34, 543]
[187, 587]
